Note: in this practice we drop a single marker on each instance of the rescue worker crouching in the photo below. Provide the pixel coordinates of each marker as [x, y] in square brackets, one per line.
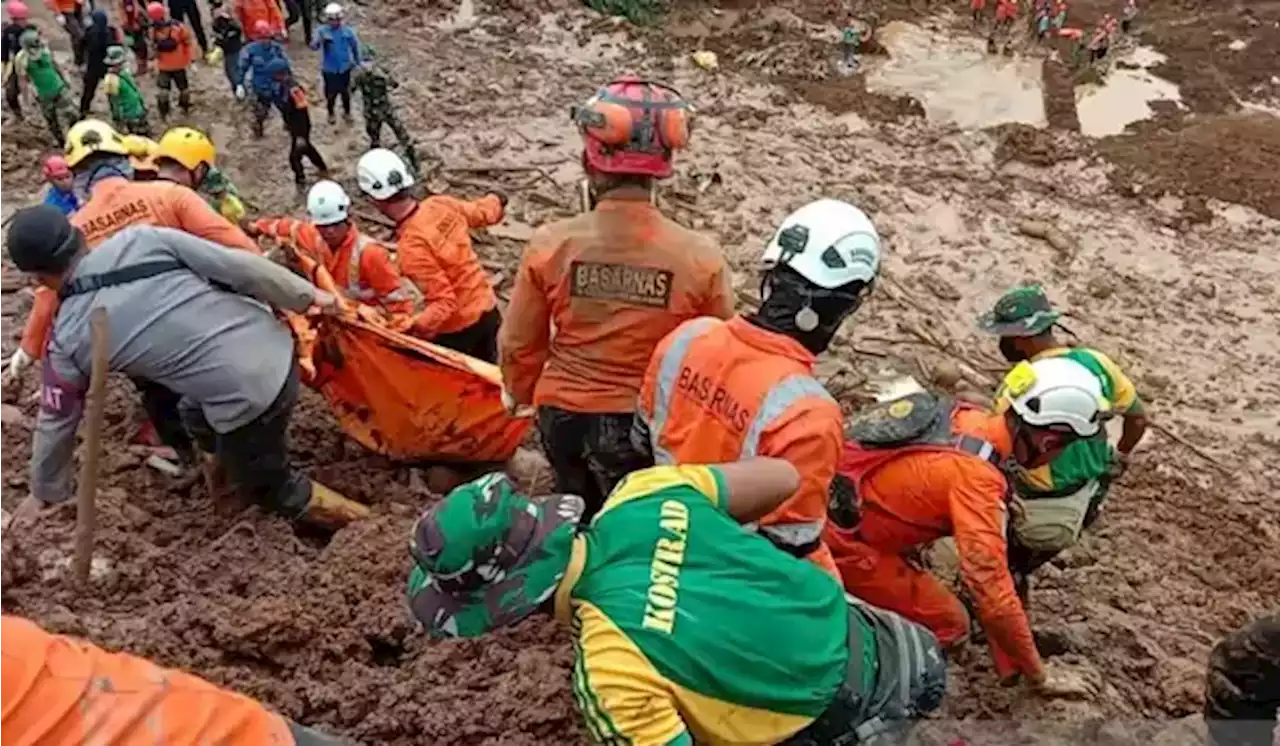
[721, 391]
[612, 282]
[686, 627]
[1068, 491]
[433, 244]
[142, 157]
[172, 323]
[361, 266]
[921, 467]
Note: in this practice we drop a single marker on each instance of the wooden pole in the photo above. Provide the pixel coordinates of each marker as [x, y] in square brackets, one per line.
[86, 509]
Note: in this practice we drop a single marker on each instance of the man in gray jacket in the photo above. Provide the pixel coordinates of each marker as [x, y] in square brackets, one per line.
[188, 315]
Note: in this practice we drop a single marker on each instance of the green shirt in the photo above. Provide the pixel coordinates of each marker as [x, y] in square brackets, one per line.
[685, 621]
[40, 70]
[123, 96]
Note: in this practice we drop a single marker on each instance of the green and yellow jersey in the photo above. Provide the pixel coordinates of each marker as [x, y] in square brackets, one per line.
[1087, 459]
[688, 627]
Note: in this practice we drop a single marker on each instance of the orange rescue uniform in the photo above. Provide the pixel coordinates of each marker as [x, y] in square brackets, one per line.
[181, 55]
[719, 391]
[249, 12]
[614, 282]
[434, 248]
[361, 267]
[115, 203]
[913, 496]
[60, 690]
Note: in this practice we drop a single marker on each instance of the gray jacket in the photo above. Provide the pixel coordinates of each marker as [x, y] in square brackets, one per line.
[215, 345]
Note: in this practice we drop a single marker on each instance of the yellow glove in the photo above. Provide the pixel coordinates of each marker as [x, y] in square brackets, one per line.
[214, 56]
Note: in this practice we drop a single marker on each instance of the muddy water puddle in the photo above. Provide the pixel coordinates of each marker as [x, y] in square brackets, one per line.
[1125, 96]
[955, 79]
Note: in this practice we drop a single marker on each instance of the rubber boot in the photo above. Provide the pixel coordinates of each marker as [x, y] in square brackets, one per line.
[329, 509]
[162, 104]
[184, 102]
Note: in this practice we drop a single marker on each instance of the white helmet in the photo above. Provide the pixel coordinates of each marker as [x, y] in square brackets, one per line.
[828, 242]
[382, 174]
[332, 10]
[328, 203]
[1057, 391]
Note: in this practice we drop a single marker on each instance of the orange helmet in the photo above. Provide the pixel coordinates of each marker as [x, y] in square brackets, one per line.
[157, 12]
[633, 126]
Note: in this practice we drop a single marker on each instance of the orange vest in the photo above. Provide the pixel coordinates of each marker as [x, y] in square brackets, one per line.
[720, 391]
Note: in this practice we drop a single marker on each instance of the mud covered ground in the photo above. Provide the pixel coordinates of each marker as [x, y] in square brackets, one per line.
[1160, 268]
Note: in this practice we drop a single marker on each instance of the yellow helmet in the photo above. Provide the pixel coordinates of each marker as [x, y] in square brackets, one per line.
[90, 136]
[142, 152]
[187, 146]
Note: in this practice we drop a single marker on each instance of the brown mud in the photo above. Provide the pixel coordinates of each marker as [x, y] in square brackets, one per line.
[1171, 267]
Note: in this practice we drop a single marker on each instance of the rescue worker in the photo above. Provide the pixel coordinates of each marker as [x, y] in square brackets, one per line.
[725, 390]
[128, 107]
[185, 156]
[174, 54]
[188, 11]
[133, 22]
[921, 467]
[253, 71]
[69, 14]
[223, 196]
[65, 690]
[361, 266]
[339, 55]
[60, 193]
[1100, 42]
[35, 63]
[290, 98]
[686, 627]
[1072, 486]
[1060, 14]
[1127, 15]
[434, 250]
[100, 159]
[1006, 12]
[375, 85]
[187, 315]
[11, 40]
[612, 282]
[1242, 694]
[249, 12]
[976, 10]
[229, 38]
[98, 40]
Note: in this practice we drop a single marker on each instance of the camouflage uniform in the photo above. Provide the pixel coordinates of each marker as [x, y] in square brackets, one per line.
[375, 85]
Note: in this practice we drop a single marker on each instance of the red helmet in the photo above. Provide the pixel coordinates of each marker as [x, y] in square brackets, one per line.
[157, 12]
[55, 167]
[261, 29]
[17, 10]
[633, 126]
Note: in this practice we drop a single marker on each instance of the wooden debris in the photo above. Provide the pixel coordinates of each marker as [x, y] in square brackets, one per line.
[1197, 450]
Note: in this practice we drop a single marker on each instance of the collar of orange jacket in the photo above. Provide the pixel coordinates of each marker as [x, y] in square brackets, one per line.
[988, 426]
[770, 342]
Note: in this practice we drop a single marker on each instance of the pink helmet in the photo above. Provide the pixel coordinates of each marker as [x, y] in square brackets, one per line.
[17, 10]
[55, 167]
[261, 29]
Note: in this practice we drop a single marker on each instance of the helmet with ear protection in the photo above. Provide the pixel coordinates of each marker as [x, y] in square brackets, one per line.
[633, 126]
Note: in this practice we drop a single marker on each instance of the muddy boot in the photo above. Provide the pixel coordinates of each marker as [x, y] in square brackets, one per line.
[329, 509]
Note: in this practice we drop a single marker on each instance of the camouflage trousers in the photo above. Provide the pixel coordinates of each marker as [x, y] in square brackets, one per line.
[55, 109]
[589, 452]
[373, 122]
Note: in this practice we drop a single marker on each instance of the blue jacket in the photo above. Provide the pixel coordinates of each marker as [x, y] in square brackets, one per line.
[341, 48]
[65, 201]
[253, 62]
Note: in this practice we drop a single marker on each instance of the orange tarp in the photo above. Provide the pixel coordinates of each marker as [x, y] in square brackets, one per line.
[399, 395]
[412, 400]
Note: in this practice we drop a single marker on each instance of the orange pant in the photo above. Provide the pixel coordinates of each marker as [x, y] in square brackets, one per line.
[890, 582]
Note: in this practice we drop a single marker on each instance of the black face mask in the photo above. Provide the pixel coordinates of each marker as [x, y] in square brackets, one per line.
[1009, 348]
[786, 293]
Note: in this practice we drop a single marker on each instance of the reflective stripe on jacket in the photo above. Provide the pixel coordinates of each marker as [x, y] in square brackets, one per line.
[718, 391]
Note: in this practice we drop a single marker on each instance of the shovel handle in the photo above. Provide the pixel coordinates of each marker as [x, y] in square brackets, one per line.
[86, 496]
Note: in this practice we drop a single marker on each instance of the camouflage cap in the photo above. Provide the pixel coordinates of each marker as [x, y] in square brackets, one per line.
[1021, 312]
[486, 556]
[215, 182]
